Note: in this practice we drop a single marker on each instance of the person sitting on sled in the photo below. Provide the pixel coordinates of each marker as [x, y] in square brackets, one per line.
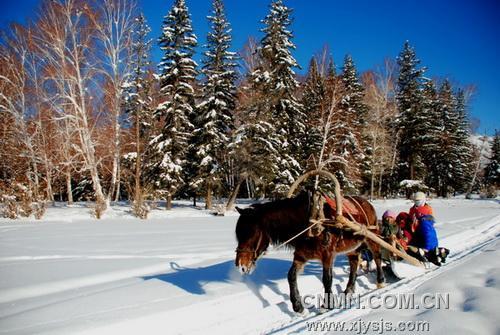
[390, 231]
[405, 229]
[423, 242]
[420, 207]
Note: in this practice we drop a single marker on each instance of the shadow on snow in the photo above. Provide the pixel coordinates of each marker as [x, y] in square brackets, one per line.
[267, 274]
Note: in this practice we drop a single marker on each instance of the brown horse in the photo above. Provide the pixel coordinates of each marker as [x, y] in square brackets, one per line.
[275, 222]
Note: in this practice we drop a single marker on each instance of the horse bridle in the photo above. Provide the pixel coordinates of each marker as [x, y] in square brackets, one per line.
[255, 251]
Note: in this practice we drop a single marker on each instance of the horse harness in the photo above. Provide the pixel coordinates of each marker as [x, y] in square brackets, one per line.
[317, 218]
[255, 252]
[317, 214]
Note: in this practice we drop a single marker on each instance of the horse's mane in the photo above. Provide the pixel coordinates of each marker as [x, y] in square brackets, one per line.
[280, 204]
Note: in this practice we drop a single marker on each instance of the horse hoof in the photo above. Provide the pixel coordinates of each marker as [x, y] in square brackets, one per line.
[298, 309]
[380, 285]
[323, 309]
[303, 313]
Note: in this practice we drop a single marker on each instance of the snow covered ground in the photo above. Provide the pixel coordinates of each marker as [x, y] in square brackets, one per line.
[174, 274]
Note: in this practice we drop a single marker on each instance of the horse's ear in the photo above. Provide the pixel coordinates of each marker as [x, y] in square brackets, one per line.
[239, 210]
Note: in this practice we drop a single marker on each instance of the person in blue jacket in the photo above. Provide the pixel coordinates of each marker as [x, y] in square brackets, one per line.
[425, 235]
[424, 243]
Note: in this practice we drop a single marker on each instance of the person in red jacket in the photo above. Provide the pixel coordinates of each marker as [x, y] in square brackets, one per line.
[405, 233]
[421, 207]
[424, 240]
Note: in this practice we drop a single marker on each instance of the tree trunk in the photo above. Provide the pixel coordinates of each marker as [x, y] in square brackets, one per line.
[208, 200]
[372, 179]
[35, 175]
[476, 171]
[379, 191]
[138, 196]
[372, 185]
[118, 184]
[168, 205]
[50, 192]
[234, 195]
[87, 145]
[69, 189]
[412, 169]
[250, 189]
[116, 141]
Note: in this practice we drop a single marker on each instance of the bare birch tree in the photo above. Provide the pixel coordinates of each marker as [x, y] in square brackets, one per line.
[379, 97]
[65, 41]
[16, 104]
[114, 22]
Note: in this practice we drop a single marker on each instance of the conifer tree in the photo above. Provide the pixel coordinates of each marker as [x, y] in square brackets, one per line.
[254, 144]
[430, 146]
[287, 116]
[352, 101]
[348, 127]
[446, 156]
[176, 112]
[215, 123]
[409, 101]
[313, 101]
[492, 170]
[463, 164]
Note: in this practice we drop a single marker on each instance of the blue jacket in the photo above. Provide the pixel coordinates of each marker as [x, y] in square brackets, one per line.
[425, 235]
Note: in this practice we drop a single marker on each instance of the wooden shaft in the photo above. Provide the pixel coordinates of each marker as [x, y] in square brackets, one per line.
[365, 232]
[305, 176]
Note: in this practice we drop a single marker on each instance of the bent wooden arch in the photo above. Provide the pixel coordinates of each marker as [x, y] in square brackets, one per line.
[323, 173]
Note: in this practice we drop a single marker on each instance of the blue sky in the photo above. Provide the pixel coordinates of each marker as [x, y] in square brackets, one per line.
[459, 40]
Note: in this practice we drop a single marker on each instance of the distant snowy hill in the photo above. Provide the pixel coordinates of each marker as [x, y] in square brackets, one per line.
[483, 143]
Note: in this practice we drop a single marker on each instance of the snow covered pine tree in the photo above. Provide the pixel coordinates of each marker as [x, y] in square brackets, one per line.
[286, 113]
[409, 100]
[214, 123]
[492, 170]
[348, 127]
[177, 76]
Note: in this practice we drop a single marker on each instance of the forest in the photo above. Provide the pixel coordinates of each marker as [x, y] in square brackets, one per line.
[85, 115]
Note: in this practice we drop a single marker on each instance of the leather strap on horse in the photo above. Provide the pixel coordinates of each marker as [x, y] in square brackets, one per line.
[256, 250]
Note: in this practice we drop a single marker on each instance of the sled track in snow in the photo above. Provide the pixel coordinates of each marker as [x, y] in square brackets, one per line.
[298, 325]
[122, 285]
[277, 317]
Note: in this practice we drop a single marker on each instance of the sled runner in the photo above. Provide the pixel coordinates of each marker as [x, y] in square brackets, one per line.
[402, 269]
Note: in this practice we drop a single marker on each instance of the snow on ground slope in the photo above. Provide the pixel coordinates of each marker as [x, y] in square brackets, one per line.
[174, 274]
[472, 288]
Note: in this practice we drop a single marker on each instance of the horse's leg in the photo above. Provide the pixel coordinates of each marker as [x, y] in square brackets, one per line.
[297, 266]
[353, 271]
[377, 256]
[327, 261]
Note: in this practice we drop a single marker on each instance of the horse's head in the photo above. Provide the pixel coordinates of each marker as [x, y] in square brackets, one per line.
[252, 240]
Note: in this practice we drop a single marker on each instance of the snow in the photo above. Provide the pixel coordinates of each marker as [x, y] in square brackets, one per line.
[174, 274]
[474, 293]
[483, 145]
[408, 183]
